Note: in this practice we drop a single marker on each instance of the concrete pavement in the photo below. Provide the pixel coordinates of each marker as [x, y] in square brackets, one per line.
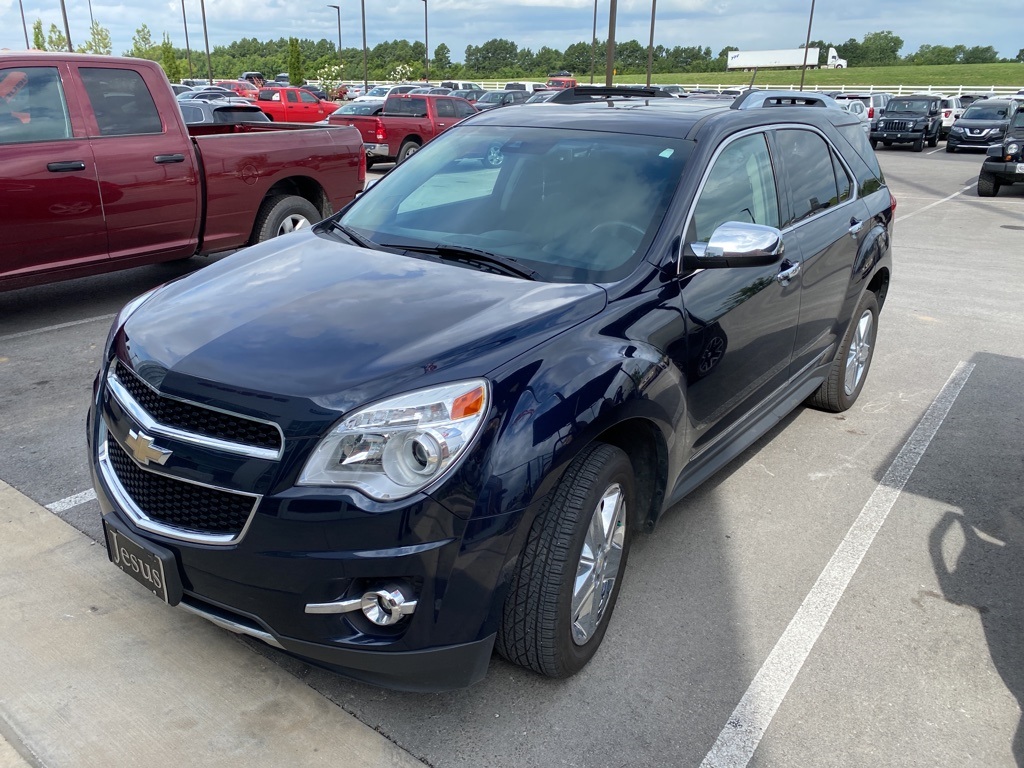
[96, 672]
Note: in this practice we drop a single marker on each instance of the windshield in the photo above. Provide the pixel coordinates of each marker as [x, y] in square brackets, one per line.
[986, 112]
[490, 96]
[365, 108]
[908, 105]
[380, 91]
[575, 206]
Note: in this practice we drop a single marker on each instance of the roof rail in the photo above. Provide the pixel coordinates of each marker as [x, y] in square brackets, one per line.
[584, 93]
[755, 99]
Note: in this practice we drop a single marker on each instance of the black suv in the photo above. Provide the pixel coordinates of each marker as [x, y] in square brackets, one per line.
[1005, 162]
[430, 426]
[909, 120]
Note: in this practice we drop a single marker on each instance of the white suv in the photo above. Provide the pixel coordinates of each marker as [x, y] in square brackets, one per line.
[951, 109]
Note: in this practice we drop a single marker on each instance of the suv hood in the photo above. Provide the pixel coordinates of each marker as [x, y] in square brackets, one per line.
[309, 317]
[981, 123]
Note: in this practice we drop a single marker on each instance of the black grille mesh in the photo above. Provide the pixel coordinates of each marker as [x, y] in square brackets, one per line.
[176, 503]
[193, 418]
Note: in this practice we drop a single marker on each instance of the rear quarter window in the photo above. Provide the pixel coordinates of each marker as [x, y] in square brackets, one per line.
[861, 158]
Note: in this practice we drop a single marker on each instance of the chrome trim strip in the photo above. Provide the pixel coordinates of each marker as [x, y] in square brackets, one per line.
[149, 424]
[127, 505]
[232, 626]
[342, 606]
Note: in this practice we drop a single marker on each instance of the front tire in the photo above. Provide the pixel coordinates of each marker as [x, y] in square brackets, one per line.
[850, 368]
[874, 143]
[950, 148]
[919, 144]
[565, 584]
[934, 140]
[988, 184]
[282, 214]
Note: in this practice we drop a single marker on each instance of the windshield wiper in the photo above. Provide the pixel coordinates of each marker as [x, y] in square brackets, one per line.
[502, 264]
[354, 237]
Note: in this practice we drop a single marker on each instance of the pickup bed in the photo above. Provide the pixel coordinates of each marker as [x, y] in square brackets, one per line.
[407, 122]
[99, 172]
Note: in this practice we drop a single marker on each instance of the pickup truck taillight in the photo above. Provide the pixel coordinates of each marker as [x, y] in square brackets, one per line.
[381, 134]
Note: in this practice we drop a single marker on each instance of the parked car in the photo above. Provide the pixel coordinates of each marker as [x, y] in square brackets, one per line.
[982, 125]
[470, 95]
[383, 91]
[562, 82]
[256, 78]
[542, 97]
[951, 111]
[966, 99]
[293, 105]
[432, 91]
[406, 123]
[873, 102]
[460, 85]
[1005, 162]
[99, 171]
[177, 88]
[352, 91]
[317, 91]
[529, 87]
[674, 90]
[367, 107]
[856, 107]
[495, 99]
[209, 93]
[420, 431]
[242, 88]
[195, 112]
[912, 120]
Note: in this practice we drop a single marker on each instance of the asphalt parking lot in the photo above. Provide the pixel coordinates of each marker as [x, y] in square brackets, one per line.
[849, 592]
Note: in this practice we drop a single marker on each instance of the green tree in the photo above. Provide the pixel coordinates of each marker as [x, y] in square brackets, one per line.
[442, 59]
[296, 65]
[39, 39]
[55, 40]
[142, 44]
[1020, 54]
[980, 55]
[880, 49]
[548, 60]
[577, 58]
[489, 59]
[98, 42]
[169, 60]
[630, 56]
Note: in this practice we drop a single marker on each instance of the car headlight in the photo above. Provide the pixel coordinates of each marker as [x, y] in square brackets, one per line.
[122, 317]
[1012, 149]
[399, 446]
[956, 129]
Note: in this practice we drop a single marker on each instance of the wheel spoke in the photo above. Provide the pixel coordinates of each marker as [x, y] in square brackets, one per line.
[598, 567]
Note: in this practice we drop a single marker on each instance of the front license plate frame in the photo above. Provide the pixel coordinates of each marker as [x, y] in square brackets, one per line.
[154, 567]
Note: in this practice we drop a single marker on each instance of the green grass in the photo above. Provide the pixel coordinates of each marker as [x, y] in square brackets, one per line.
[969, 75]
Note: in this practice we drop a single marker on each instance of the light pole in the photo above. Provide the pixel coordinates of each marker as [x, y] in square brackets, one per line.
[593, 46]
[650, 45]
[341, 61]
[426, 42]
[610, 58]
[362, 10]
[206, 39]
[67, 29]
[24, 26]
[188, 49]
[803, 69]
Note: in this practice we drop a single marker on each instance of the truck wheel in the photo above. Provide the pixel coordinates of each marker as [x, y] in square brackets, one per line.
[850, 367]
[408, 149]
[988, 185]
[282, 214]
[919, 144]
[565, 584]
[369, 163]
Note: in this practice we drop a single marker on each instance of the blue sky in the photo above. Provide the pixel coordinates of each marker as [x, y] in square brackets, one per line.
[535, 23]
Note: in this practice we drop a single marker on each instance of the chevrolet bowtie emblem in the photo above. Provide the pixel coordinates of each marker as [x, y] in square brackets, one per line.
[142, 448]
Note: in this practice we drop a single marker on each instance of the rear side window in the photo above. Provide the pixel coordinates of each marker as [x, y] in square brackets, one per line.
[862, 159]
[740, 187]
[810, 179]
[121, 101]
[445, 108]
[32, 106]
[464, 110]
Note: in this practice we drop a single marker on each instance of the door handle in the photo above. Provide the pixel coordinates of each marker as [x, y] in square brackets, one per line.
[164, 159]
[855, 227]
[789, 271]
[65, 166]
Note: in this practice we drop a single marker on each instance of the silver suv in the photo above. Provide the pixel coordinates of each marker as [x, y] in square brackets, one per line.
[874, 102]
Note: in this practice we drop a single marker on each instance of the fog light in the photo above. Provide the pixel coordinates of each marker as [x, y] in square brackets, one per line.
[386, 606]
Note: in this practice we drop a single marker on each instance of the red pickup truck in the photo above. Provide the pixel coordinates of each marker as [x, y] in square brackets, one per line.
[408, 121]
[293, 105]
[99, 172]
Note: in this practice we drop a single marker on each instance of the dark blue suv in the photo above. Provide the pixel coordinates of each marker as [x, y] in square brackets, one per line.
[429, 426]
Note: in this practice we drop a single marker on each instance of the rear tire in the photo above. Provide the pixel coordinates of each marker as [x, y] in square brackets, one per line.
[988, 185]
[850, 368]
[407, 150]
[565, 584]
[282, 214]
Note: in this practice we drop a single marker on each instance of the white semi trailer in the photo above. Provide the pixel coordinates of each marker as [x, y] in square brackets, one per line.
[783, 58]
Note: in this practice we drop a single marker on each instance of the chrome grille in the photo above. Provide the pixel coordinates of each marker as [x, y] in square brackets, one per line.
[177, 503]
[195, 418]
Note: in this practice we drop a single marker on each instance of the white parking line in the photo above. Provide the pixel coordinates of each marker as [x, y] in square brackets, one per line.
[937, 202]
[72, 501]
[55, 327]
[943, 149]
[749, 721]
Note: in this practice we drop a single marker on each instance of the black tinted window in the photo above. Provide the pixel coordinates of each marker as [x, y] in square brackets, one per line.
[810, 180]
[740, 187]
[862, 159]
[463, 110]
[842, 179]
[445, 108]
[121, 101]
[32, 106]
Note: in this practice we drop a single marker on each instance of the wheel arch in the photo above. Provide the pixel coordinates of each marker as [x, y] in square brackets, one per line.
[301, 186]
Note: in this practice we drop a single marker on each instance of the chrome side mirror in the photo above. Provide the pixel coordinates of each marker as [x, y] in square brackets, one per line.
[735, 244]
